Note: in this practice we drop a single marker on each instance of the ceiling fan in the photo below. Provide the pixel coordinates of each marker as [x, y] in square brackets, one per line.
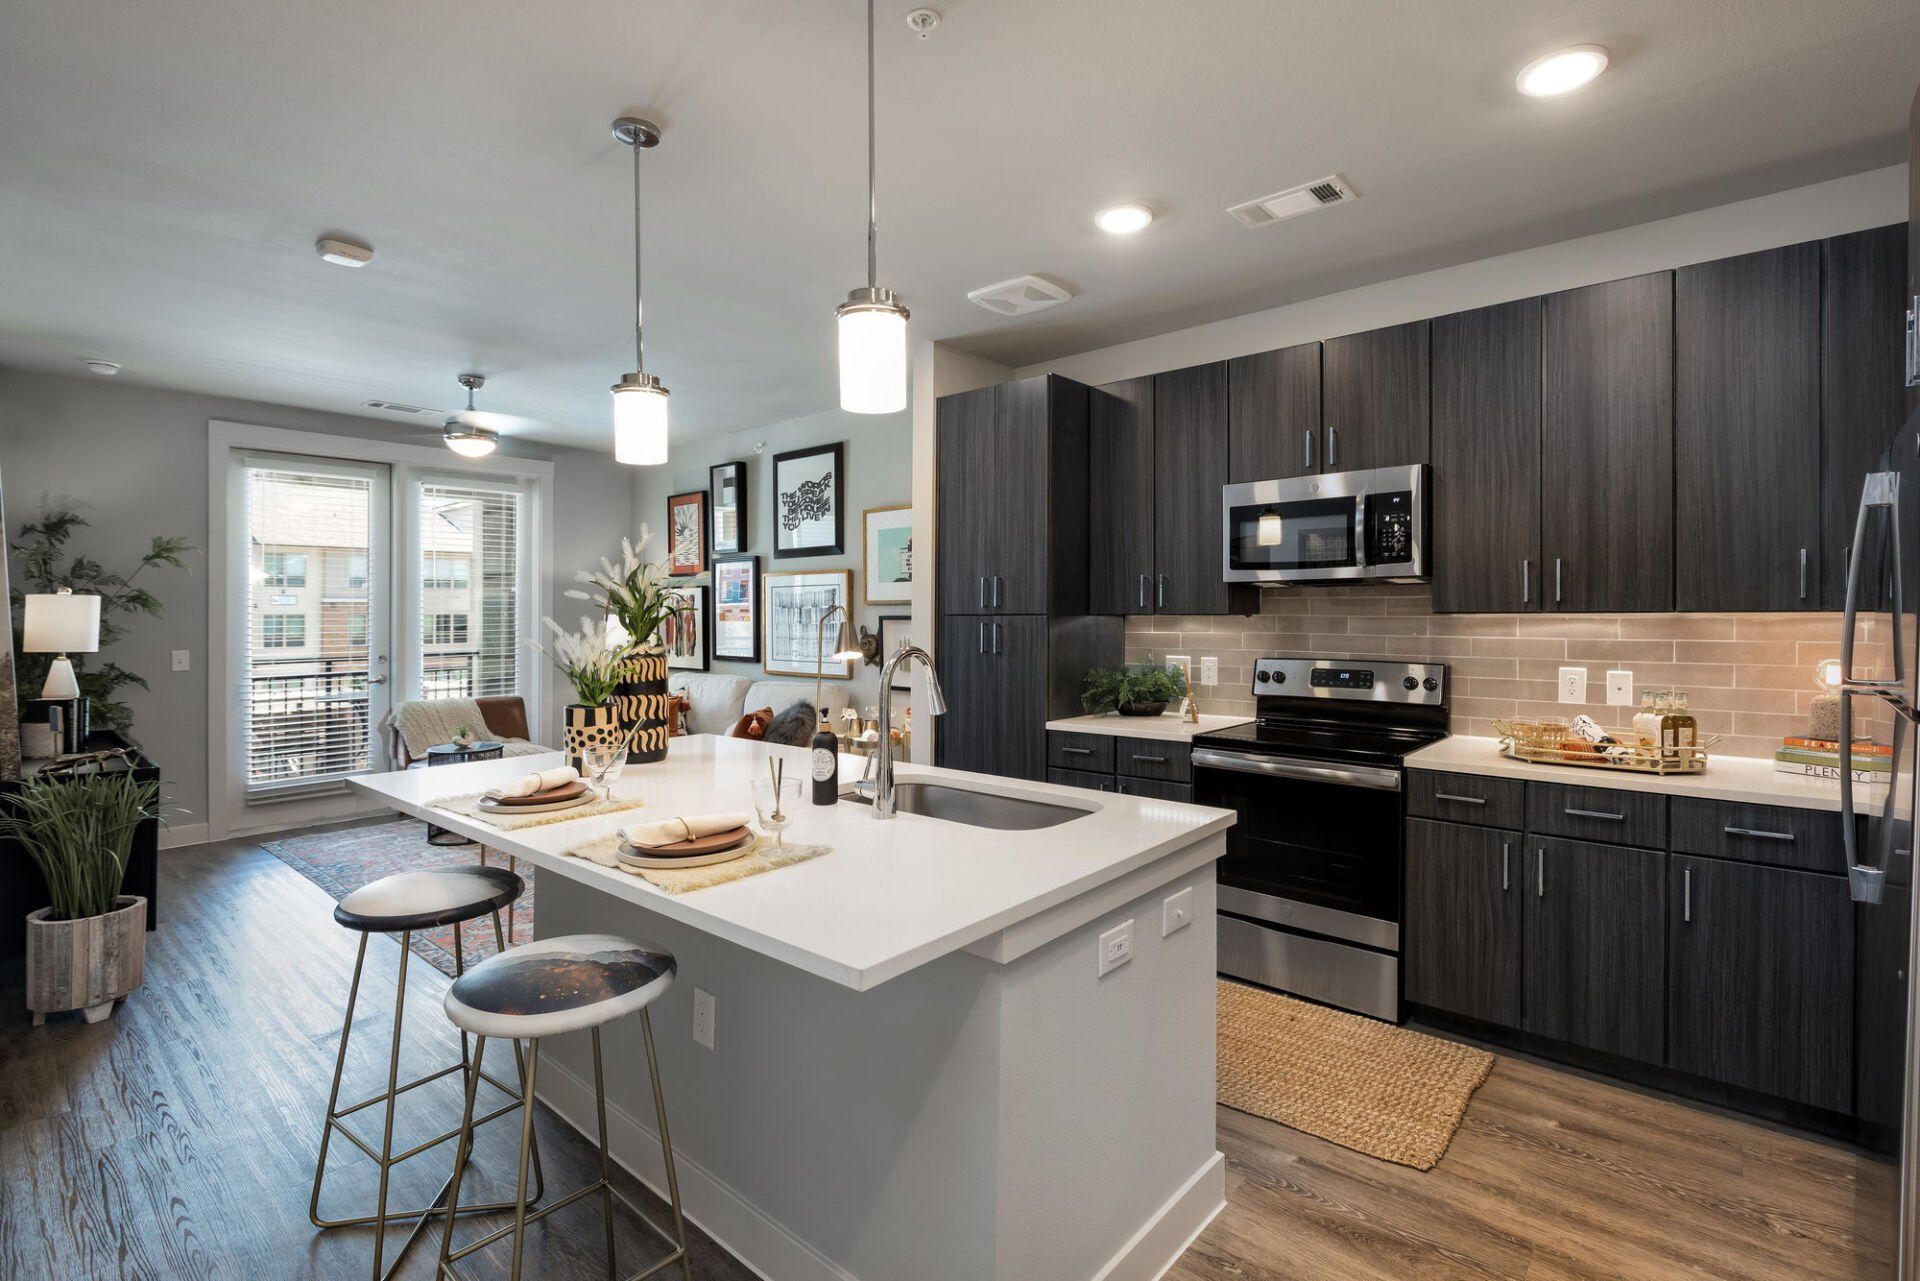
[469, 432]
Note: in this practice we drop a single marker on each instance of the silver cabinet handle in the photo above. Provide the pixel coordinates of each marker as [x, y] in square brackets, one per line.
[1803, 573]
[1526, 581]
[983, 591]
[1333, 444]
[996, 638]
[1758, 835]
[1686, 895]
[996, 591]
[1611, 818]
[1160, 593]
[1076, 751]
[1152, 760]
[1143, 591]
[1540, 873]
[1308, 463]
[1506, 862]
[1464, 800]
[983, 637]
[1558, 595]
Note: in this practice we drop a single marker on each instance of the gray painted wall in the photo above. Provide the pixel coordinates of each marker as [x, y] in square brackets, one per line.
[133, 461]
[879, 457]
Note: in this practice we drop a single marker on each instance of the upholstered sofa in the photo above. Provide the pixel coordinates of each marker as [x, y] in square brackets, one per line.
[718, 701]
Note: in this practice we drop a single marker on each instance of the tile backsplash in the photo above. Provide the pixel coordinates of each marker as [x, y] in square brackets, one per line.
[1749, 677]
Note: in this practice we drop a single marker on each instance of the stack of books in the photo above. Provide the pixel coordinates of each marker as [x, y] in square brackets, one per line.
[1820, 758]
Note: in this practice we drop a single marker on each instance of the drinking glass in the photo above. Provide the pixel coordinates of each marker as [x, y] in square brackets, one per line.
[776, 806]
[604, 762]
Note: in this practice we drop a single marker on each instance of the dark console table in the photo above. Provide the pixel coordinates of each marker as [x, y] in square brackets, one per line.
[22, 888]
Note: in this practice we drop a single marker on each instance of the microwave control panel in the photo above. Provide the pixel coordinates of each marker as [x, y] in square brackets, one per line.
[1390, 528]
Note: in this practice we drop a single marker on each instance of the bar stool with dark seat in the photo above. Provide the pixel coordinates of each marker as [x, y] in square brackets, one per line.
[401, 904]
[565, 984]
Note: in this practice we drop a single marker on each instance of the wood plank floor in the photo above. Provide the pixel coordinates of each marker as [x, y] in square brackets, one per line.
[177, 1140]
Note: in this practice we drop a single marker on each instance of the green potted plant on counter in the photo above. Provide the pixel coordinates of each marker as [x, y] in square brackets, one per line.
[590, 660]
[635, 594]
[1131, 691]
[88, 947]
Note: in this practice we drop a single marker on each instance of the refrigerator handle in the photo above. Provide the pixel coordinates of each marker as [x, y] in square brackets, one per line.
[1867, 884]
[1880, 493]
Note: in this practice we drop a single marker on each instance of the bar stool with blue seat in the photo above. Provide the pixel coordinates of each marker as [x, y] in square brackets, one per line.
[571, 983]
[402, 904]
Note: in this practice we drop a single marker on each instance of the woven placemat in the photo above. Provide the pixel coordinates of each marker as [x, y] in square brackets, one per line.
[1366, 1085]
[684, 880]
[469, 805]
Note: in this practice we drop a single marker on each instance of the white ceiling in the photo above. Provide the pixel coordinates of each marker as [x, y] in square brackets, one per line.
[165, 168]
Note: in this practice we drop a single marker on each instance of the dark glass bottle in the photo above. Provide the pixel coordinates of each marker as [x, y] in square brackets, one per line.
[825, 766]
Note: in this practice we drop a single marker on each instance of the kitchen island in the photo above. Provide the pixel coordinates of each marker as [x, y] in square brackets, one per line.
[916, 1070]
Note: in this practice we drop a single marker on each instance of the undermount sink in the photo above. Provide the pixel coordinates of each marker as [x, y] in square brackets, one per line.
[976, 809]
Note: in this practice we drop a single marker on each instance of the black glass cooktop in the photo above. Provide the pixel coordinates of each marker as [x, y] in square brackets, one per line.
[1346, 744]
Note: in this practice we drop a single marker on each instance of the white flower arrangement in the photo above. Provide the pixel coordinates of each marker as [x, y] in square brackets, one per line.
[634, 592]
[588, 658]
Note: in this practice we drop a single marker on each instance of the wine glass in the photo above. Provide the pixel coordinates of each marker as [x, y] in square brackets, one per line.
[776, 804]
[604, 762]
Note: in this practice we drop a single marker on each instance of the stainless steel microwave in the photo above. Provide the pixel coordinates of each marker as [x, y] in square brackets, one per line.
[1341, 525]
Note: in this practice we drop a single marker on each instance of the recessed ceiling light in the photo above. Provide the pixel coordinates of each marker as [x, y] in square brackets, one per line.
[342, 253]
[105, 368]
[1561, 71]
[1123, 220]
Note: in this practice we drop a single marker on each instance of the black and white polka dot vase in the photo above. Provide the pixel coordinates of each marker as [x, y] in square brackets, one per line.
[590, 725]
[641, 699]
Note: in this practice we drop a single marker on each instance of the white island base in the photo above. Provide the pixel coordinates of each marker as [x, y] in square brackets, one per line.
[917, 1073]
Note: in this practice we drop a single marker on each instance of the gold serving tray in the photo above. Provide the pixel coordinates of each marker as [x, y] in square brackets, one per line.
[1628, 756]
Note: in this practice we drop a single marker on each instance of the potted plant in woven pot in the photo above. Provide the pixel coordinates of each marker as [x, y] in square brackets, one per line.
[636, 595]
[88, 947]
[1131, 691]
[590, 660]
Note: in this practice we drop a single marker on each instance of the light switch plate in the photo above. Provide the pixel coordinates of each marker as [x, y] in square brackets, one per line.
[1619, 689]
[1573, 684]
[1176, 911]
[182, 660]
[1116, 948]
[703, 1014]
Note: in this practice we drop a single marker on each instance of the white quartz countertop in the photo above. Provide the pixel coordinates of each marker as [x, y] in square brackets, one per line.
[1167, 727]
[1745, 779]
[893, 894]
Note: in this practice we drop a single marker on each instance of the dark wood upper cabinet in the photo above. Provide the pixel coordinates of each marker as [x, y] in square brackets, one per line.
[1486, 459]
[1606, 458]
[1747, 432]
[1465, 888]
[1190, 466]
[1596, 946]
[1120, 498]
[964, 449]
[1373, 410]
[1273, 414]
[1760, 990]
[1863, 394]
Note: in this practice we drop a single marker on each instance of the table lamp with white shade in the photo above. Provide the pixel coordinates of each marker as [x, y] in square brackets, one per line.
[60, 624]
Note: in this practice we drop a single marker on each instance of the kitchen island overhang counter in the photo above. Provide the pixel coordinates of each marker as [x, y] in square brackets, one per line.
[917, 1070]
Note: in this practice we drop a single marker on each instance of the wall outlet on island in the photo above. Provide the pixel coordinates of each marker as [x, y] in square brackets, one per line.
[1209, 671]
[1116, 947]
[703, 1017]
[1573, 684]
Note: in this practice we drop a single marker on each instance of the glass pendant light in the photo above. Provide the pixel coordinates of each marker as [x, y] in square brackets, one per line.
[462, 435]
[873, 321]
[639, 401]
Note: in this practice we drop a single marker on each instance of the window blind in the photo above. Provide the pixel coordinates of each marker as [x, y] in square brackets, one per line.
[469, 580]
[304, 675]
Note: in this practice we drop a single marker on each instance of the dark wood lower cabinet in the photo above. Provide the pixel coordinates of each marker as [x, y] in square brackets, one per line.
[1596, 972]
[993, 672]
[1760, 986]
[1153, 788]
[1463, 920]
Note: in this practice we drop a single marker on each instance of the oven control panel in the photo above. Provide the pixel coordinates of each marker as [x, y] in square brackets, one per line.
[1424, 684]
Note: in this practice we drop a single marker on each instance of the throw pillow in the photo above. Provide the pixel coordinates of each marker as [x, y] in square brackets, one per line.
[794, 727]
[679, 709]
[753, 724]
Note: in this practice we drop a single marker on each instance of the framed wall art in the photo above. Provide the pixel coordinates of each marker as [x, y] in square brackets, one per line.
[727, 508]
[685, 631]
[687, 533]
[896, 630]
[736, 608]
[795, 604]
[807, 488]
[886, 556]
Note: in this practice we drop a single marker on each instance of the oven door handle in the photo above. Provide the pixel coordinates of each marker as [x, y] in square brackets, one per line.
[1380, 780]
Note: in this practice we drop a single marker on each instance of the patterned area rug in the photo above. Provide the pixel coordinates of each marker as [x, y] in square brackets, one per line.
[340, 862]
[1379, 1089]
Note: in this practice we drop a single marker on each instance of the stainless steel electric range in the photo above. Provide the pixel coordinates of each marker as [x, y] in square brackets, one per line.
[1310, 889]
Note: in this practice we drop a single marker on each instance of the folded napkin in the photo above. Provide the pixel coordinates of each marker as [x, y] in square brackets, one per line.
[668, 831]
[541, 781]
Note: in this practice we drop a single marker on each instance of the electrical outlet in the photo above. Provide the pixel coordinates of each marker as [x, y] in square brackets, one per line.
[703, 1017]
[182, 660]
[1116, 948]
[1573, 684]
[1176, 911]
[1209, 671]
[1619, 689]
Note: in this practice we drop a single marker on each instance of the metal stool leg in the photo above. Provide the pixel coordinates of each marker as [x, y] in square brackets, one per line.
[606, 1163]
[393, 1098]
[461, 1151]
[526, 1142]
[666, 1143]
[526, 1092]
[333, 1094]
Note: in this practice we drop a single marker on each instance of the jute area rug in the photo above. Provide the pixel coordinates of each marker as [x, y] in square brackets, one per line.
[1379, 1089]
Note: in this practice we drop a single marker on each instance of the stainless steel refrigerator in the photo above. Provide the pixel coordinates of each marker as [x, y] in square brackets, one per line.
[1881, 692]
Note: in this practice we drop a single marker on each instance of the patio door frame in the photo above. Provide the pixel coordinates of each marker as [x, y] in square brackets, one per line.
[228, 445]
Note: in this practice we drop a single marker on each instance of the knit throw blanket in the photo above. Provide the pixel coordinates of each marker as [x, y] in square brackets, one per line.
[430, 722]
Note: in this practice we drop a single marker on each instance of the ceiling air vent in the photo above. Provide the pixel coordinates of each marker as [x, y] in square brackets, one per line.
[1021, 296]
[395, 407]
[1294, 201]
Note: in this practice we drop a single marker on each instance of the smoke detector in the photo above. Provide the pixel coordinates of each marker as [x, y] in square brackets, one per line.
[343, 253]
[395, 407]
[923, 21]
[105, 368]
[1308, 197]
[1021, 296]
